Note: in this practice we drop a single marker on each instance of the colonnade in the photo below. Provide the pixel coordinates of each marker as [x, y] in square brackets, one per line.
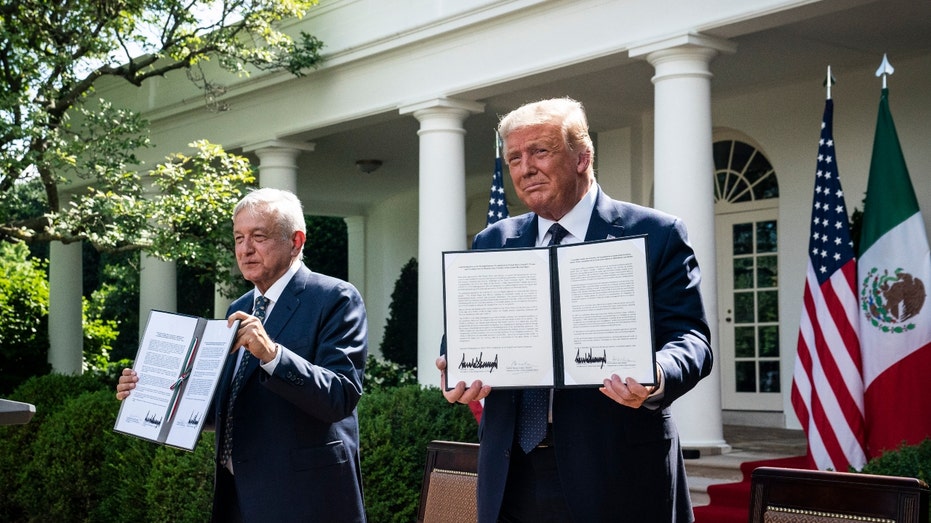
[683, 166]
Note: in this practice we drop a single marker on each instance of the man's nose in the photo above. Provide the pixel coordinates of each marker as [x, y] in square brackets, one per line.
[530, 165]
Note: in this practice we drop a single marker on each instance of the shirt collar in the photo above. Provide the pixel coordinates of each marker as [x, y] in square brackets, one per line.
[274, 292]
[575, 221]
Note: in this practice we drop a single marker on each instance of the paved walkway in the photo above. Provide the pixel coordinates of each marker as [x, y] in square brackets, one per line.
[746, 444]
[766, 440]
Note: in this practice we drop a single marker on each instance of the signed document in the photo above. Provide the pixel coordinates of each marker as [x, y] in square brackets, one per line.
[179, 364]
[561, 316]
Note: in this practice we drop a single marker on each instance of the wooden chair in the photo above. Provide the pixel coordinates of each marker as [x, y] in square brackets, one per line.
[785, 495]
[449, 481]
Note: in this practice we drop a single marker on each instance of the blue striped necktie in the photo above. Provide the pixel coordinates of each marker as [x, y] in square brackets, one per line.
[533, 412]
[261, 305]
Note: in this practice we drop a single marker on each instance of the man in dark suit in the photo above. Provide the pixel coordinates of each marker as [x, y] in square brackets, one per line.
[288, 442]
[612, 453]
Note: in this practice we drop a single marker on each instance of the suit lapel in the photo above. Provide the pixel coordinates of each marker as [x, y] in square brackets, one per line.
[525, 234]
[606, 220]
[287, 303]
[282, 311]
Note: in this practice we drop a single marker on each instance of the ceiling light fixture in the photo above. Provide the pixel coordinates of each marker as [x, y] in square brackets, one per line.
[368, 166]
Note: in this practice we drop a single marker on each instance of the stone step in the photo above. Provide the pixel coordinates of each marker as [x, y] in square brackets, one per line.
[721, 468]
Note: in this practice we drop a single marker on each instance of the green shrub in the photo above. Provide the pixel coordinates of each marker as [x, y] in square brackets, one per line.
[63, 481]
[399, 341]
[47, 393]
[911, 461]
[68, 464]
[99, 336]
[24, 295]
[396, 423]
[381, 373]
[127, 462]
[179, 488]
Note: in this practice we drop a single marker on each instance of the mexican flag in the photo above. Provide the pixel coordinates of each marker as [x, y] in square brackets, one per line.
[894, 278]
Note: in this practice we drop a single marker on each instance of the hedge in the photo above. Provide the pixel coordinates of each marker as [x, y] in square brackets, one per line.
[910, 461]
[68, 465]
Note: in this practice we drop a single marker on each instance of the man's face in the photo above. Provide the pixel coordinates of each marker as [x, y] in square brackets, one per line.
[548, 177]
[262, 253]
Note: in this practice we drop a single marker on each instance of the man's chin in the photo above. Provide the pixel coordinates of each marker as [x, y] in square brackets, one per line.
[250, 275]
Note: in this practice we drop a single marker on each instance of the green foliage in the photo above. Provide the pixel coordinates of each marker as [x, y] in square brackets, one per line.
[67, 464]
[115, 298]
[123, 470]
[25, 201]
[99, 335]
[180, 487]
[69, 451]
[194, 210]
[908, 460]
[381, 373]
[52, 129]
[396, 424]
[911, 461]
[24, 297]
[18, 442]
[399, 343]
[326, 250]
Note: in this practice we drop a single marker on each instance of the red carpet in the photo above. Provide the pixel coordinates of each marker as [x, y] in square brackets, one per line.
[730, 502]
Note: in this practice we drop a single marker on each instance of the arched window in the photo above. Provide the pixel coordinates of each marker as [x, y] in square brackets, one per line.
[742, 173]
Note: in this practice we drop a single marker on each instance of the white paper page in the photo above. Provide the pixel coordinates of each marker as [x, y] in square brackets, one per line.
[605, 312]
[161, 357]
[200, 385]
[498, 318]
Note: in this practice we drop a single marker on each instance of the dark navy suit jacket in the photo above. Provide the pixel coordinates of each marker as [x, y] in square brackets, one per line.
[615, 463]
[296, 433]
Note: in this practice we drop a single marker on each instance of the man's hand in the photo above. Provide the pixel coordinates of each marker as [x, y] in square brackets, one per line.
[252, 336]
[461, 394]
[126, 383]
[628, 392]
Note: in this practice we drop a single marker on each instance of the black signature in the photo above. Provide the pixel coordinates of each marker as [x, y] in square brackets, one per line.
[478, 363]
[589, 358]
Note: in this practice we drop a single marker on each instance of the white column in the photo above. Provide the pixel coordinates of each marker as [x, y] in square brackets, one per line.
[278, 163]
[355, 240]
[442, 216]
[158, 287]
[65, 329]
[683, 176]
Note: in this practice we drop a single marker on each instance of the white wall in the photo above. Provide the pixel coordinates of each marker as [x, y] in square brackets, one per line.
[391, 240]
[786, 122]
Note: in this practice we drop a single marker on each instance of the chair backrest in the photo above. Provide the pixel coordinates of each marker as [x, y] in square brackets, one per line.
[449, 481]
[785, 495]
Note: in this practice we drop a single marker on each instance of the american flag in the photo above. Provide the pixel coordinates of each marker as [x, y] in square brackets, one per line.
[827, 386]
[497, 210]
[497, 203]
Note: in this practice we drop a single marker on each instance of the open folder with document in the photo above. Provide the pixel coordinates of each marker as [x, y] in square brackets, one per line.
[561, 316]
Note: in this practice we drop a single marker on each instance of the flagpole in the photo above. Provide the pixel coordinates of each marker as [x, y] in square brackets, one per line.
[828, 82]
[885, 69]
[497, 201]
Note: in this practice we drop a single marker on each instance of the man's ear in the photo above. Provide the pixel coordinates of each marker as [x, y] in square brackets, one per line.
[297, 242]
[585, 161]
